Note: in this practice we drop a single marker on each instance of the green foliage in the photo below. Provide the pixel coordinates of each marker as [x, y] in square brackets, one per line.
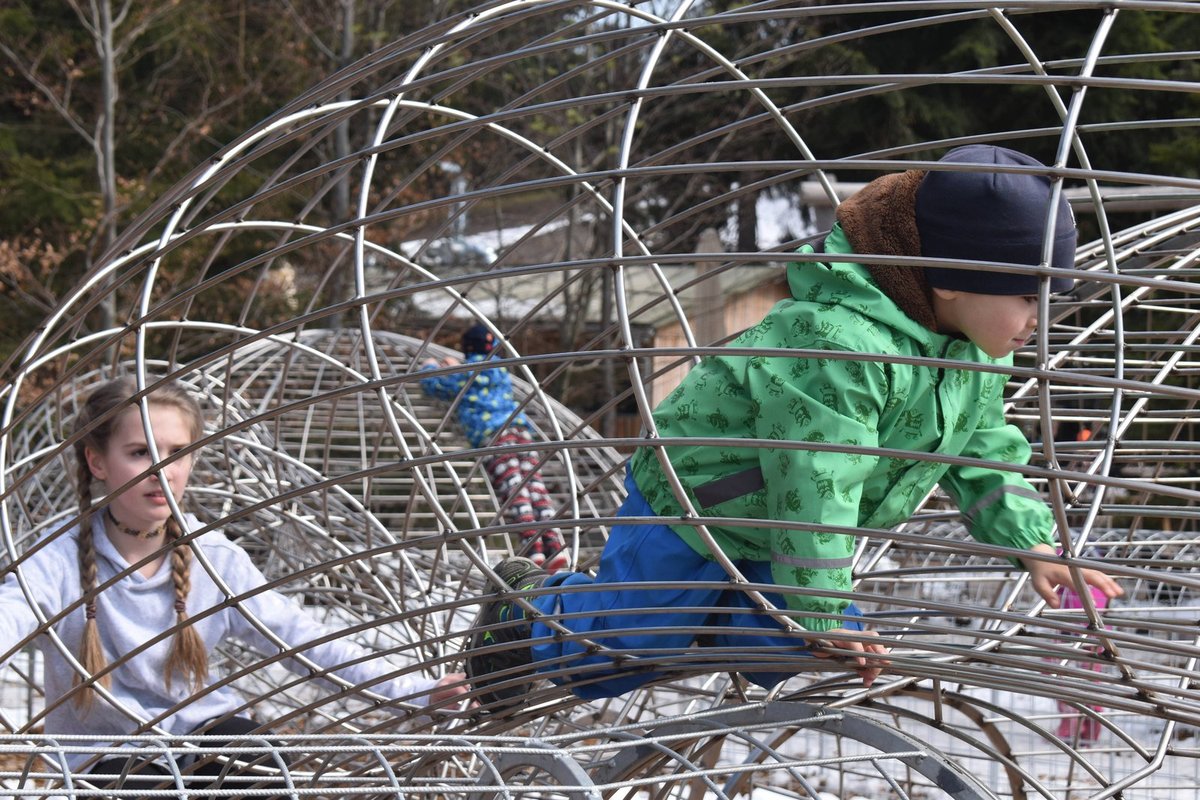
[44, 192]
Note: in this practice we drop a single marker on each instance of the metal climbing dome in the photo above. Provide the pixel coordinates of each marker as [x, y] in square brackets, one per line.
[605, 262]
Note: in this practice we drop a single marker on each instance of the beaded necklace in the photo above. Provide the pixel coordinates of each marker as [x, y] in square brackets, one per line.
[150, 534]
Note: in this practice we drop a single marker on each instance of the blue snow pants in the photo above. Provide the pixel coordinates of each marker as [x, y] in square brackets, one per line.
[658, 618]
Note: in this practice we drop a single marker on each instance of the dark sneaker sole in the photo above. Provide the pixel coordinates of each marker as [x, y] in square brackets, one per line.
[499, 650]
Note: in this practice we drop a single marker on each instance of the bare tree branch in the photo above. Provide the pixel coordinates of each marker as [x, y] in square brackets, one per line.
[196, 121]
[325, 49]
[46, 91]
[88, 22]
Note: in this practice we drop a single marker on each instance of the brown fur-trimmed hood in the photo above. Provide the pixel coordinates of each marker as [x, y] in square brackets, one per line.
[881, 218]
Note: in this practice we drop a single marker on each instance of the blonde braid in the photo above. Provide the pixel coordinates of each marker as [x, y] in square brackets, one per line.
[188, 657]
[91, 651]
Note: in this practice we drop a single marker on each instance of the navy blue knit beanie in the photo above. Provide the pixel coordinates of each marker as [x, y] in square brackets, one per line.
[991, 216]
[478, 339]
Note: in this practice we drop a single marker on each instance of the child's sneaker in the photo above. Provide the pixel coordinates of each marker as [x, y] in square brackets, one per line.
[490, 631]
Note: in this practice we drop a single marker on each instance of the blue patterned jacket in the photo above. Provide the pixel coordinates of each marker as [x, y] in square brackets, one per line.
[488, 404]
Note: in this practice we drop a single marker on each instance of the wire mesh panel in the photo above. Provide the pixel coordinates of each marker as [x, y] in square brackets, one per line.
[614, 190]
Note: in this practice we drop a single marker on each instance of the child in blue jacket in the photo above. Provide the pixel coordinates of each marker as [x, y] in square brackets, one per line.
[489, 415]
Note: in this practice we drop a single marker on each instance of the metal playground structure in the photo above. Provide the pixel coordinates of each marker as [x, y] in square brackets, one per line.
[585, 252]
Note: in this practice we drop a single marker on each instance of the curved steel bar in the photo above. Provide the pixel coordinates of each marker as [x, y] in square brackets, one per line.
[938, 768]
[302, 324]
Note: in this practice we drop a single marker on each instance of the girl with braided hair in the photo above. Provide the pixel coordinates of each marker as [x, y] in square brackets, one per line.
[117, 583]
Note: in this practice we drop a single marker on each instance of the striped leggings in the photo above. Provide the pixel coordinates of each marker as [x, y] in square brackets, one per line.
[522, 494]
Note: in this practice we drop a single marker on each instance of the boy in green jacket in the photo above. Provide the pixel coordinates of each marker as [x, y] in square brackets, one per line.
[812, 443]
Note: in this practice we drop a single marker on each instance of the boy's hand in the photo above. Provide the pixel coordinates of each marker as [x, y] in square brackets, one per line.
[429, 362]
[449, 687]
[1049, 575]
[868, 669]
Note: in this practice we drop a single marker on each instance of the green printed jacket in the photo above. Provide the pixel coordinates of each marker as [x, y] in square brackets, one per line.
[837, 308]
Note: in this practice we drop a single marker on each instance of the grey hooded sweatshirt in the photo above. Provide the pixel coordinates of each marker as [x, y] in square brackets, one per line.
[136, 609]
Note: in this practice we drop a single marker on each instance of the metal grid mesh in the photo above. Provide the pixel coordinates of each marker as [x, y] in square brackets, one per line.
[360, 497]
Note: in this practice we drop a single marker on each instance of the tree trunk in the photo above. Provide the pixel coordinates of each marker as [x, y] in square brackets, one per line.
[341, 143]
[106, 167]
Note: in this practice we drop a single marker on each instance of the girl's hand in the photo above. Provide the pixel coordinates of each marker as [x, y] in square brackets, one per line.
[449, 687]
[867, 668]
[1049, 575]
